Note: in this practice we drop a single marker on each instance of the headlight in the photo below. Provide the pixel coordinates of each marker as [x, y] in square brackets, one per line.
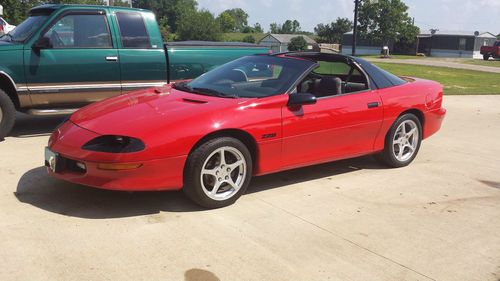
[114, 144]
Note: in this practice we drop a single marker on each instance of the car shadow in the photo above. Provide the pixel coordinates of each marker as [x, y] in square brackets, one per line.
[34, 126]
[39, 190]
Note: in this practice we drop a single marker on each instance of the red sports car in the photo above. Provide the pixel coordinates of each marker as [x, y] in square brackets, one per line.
[253, 116]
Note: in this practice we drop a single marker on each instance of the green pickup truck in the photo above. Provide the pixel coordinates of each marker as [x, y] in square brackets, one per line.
[63, 57]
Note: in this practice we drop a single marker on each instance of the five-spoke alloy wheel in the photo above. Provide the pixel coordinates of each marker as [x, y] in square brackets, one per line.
[218, 172]
[223, 173]
[402, 142]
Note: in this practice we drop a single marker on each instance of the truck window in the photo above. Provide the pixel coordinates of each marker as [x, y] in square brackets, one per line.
[133, 30]
[26, 28]
[80, 31]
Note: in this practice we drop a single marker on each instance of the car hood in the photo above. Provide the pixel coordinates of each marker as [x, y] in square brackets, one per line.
[144, 113]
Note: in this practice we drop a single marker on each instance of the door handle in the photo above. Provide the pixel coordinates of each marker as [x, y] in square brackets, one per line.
[373, 104]
[111, 58]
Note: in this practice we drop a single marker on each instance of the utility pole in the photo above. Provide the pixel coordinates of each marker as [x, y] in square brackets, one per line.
[355, 29]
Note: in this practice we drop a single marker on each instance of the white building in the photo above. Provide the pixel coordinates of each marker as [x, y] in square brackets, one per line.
[110, 2]
[279, 42]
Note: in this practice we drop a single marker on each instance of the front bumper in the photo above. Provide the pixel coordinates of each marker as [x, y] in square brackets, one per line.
[153, 174]
[162, 174]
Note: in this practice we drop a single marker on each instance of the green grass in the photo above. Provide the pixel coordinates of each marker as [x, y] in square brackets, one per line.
[396, 57]
[455, 81]
[238, 37]
[492, 63]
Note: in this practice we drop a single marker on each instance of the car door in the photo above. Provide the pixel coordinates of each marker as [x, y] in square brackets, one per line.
[141, 53]
[77, 64]
[338, 126]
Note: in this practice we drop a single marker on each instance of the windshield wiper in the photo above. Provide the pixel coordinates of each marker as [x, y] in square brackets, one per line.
[212, 92]
[182, 86]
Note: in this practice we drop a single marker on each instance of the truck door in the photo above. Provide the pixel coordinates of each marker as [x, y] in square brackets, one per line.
[141, 53]
[74, 61]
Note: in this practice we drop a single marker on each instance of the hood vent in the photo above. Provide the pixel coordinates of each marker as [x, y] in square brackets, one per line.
[194, 101]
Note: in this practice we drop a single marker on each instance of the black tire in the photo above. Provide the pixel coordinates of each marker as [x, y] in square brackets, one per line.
[7, 114]
[388, 155]
[193, 186]
[486, 57]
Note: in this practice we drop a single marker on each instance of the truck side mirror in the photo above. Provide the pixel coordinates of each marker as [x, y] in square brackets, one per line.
[42, 43]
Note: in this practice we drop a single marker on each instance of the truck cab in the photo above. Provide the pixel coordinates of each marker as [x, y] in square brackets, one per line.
[491, 51]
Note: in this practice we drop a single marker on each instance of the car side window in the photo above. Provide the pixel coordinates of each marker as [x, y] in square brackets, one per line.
[333, 78]
[334, 68]
[80, 31]
[133, 30]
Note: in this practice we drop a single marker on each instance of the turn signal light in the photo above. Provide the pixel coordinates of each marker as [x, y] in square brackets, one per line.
[117, 167]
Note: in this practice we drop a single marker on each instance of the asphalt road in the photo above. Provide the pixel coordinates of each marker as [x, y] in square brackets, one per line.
[438, 219]
[441, 63]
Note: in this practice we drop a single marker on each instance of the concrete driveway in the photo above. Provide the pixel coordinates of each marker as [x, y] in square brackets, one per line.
[438, 219]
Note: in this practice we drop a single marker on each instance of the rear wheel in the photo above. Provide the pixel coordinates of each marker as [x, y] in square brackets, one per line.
[7, 114]
[403, 141]
[218, 172]
[486, 57]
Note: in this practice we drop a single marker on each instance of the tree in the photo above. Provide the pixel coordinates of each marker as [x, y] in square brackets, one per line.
[257, 28]
[248, 29]
[273, 27]
[199, 25]
[249, 39]
[164, 28]
[240, 18]
[289, 27]
[16, 11]
[297, 44]
[173, 10]
[332, 33]
[226, 22]
[386, 21]
[295, 26]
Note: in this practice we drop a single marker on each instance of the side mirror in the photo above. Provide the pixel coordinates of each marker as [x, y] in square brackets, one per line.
[42, 43]
[301, 99]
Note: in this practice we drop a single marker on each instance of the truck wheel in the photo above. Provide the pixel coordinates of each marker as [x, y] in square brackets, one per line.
[7, 115]
[486, 57]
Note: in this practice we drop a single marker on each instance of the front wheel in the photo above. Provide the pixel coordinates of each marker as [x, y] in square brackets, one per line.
[486, 57]
[218, 172]
[402, 142]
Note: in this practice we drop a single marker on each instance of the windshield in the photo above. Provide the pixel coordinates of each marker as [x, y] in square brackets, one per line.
[250, 77]
[25, 29]
[497, 44]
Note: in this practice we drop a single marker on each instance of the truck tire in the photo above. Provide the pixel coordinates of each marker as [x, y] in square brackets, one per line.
[486, 57]
[7, 115]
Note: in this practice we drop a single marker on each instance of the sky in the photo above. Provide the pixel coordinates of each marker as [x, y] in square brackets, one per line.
[445, 15]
